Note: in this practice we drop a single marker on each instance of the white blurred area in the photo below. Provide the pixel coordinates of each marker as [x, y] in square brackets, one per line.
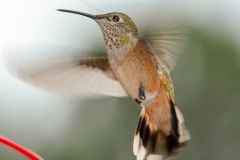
[24, 107]
[28, 113]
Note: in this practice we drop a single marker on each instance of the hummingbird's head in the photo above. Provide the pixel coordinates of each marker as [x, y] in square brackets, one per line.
[118, 29]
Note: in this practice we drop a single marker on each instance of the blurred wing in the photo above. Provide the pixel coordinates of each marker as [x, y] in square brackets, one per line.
[167, 44]
[65, 74]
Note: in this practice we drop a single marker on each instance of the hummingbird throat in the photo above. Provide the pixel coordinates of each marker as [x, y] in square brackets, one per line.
[117, 41]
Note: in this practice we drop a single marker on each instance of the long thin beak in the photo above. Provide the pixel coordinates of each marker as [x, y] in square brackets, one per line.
[81, 13]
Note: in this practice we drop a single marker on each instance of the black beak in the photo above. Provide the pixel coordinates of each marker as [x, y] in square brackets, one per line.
[81, 13]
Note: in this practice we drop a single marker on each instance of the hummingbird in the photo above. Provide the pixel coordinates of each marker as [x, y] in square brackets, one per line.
[145, 76]
[135, 65]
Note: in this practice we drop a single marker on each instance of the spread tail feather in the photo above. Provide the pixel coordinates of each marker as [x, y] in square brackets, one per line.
[153, 144]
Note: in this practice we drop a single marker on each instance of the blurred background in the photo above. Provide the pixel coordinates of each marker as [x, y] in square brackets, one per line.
[206, 80]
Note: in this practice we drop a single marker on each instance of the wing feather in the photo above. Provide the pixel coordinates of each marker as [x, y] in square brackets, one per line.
[65, 74]
[167, 44]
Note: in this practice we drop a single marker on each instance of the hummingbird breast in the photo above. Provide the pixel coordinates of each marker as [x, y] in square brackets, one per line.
[136, 69]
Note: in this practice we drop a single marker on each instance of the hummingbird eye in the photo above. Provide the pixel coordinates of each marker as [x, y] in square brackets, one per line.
[115, 18]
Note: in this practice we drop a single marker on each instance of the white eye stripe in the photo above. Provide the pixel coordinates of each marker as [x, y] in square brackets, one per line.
[120, 20]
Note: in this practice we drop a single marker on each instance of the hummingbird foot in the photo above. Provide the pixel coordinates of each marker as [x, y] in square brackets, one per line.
[141, 94]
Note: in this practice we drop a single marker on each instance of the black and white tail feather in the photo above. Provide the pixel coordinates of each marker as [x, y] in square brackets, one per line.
[153, 144]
